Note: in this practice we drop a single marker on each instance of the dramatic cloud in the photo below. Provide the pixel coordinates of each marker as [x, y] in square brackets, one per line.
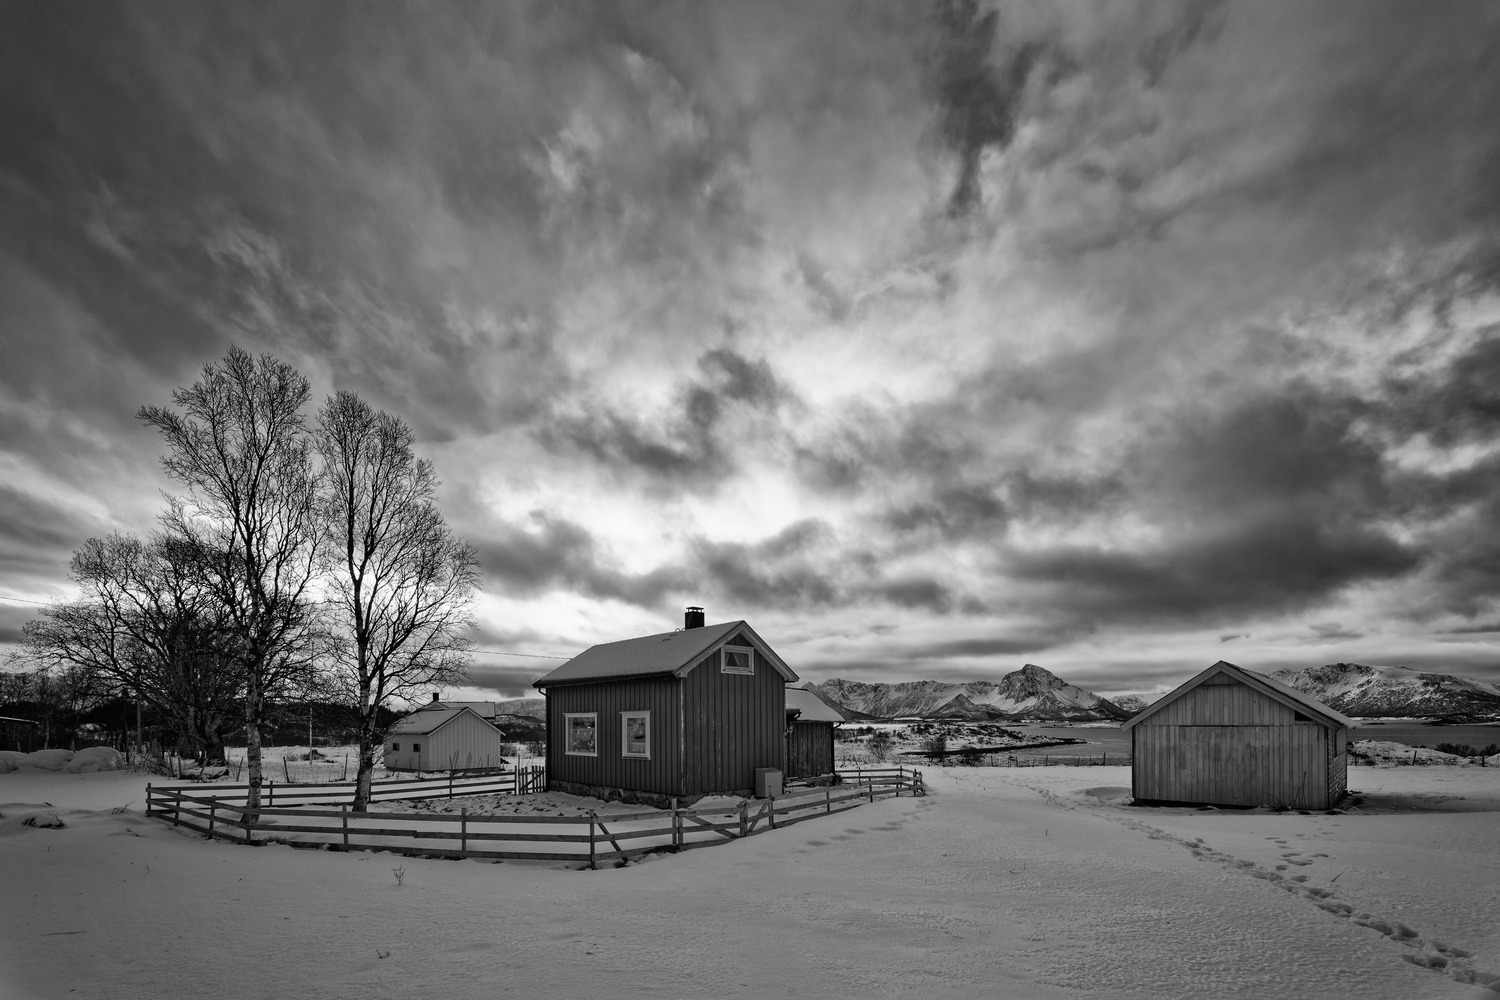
[928, 337]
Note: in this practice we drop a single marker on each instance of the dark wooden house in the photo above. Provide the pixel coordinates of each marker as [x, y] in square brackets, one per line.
[810, 722]
[1231, 737]
[686, 713]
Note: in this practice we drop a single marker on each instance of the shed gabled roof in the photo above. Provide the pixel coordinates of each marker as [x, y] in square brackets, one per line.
[811, 706]
[664, 654]
[430, 719]
[1274, 689]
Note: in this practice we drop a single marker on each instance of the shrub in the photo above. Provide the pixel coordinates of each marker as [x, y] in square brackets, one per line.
[970, 755]
[1457, 749]
[879, 746]
[936, 746]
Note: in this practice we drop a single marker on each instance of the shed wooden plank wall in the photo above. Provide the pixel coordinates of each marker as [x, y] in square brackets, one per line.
[809, 749]
[732, 724]
[1223, 743]
[466, 741]
[659, 696]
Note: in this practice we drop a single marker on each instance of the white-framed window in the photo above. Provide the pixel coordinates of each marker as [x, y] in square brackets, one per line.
[581, 734]
[635, 734]
[736, 660]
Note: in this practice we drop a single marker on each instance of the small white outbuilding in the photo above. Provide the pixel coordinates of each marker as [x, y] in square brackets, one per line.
[439, 737]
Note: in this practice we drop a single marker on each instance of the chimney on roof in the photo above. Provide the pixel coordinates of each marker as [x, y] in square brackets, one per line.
[692, 618]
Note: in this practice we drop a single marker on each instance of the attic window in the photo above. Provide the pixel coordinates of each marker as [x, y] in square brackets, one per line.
[582, 731]
[737, 660]
[1299, 717]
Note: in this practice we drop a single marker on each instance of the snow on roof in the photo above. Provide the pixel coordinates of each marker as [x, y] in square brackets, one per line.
[812, 706]
[432, 718]
[656, 655]
[1276, 689]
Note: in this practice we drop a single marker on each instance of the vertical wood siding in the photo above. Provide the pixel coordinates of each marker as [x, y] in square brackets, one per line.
[1224, 743]
[659, 773]
[732, 724]
[464, 742]
[809, 749]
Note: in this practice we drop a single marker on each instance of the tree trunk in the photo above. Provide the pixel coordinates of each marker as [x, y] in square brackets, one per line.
[252, 748]
[368, 717]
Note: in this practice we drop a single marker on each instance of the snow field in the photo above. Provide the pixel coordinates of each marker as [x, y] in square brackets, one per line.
[1034, 882]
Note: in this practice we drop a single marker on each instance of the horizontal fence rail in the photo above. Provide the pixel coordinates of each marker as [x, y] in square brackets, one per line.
[587, 838]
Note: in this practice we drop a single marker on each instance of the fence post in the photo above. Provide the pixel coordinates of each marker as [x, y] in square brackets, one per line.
[772, 799]
[450, 784]
[177, 810]
[148, 798]
[828, 797]
[870, 787]
[213, 805]
[271, 785]
[744, 820]
[593, 857]
[463, 830]
[676, 826]
[1106, 759]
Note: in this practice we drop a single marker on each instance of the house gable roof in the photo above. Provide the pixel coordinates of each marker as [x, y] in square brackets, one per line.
[811, 706]
[662, 655]
[1274, 689]
[432, 717]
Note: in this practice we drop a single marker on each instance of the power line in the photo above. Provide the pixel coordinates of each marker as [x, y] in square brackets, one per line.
[22, 600]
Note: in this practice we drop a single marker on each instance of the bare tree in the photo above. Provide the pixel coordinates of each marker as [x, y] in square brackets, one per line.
[241, 449]
[149, 625]
[401, 584]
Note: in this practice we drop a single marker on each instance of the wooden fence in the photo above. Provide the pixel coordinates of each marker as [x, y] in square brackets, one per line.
[588, 838]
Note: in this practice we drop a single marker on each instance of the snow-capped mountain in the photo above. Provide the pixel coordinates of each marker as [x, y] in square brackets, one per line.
[1133, 703]
[1031, 693]
[1372, 692]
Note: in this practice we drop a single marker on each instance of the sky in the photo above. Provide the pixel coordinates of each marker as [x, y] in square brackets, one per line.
[931, 339]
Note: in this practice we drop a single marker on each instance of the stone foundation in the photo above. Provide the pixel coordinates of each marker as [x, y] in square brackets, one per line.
[631, 796]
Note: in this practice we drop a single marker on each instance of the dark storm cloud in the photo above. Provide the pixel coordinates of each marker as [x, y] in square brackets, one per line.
[689, 447]
[1273, 504]
[978, 91]
[953, 512]
[1457, 405]
[12, 617]
[1012, 645]
[223, 175]
[780, 571]
[507, 680]
[1246, 569]
[558, 553]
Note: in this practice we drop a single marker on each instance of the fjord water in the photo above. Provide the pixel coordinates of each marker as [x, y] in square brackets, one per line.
[1113, 740]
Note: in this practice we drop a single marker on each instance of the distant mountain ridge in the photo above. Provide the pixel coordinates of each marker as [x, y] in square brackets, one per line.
[1029, 693]
[534, 707]
[1357, 689]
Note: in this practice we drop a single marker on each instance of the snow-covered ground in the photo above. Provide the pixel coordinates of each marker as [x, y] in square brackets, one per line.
[1032, 882]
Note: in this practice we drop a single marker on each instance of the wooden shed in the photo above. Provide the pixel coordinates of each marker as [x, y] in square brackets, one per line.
[686, 713]
[810, 722]
[1231, 737]
[439, 737]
